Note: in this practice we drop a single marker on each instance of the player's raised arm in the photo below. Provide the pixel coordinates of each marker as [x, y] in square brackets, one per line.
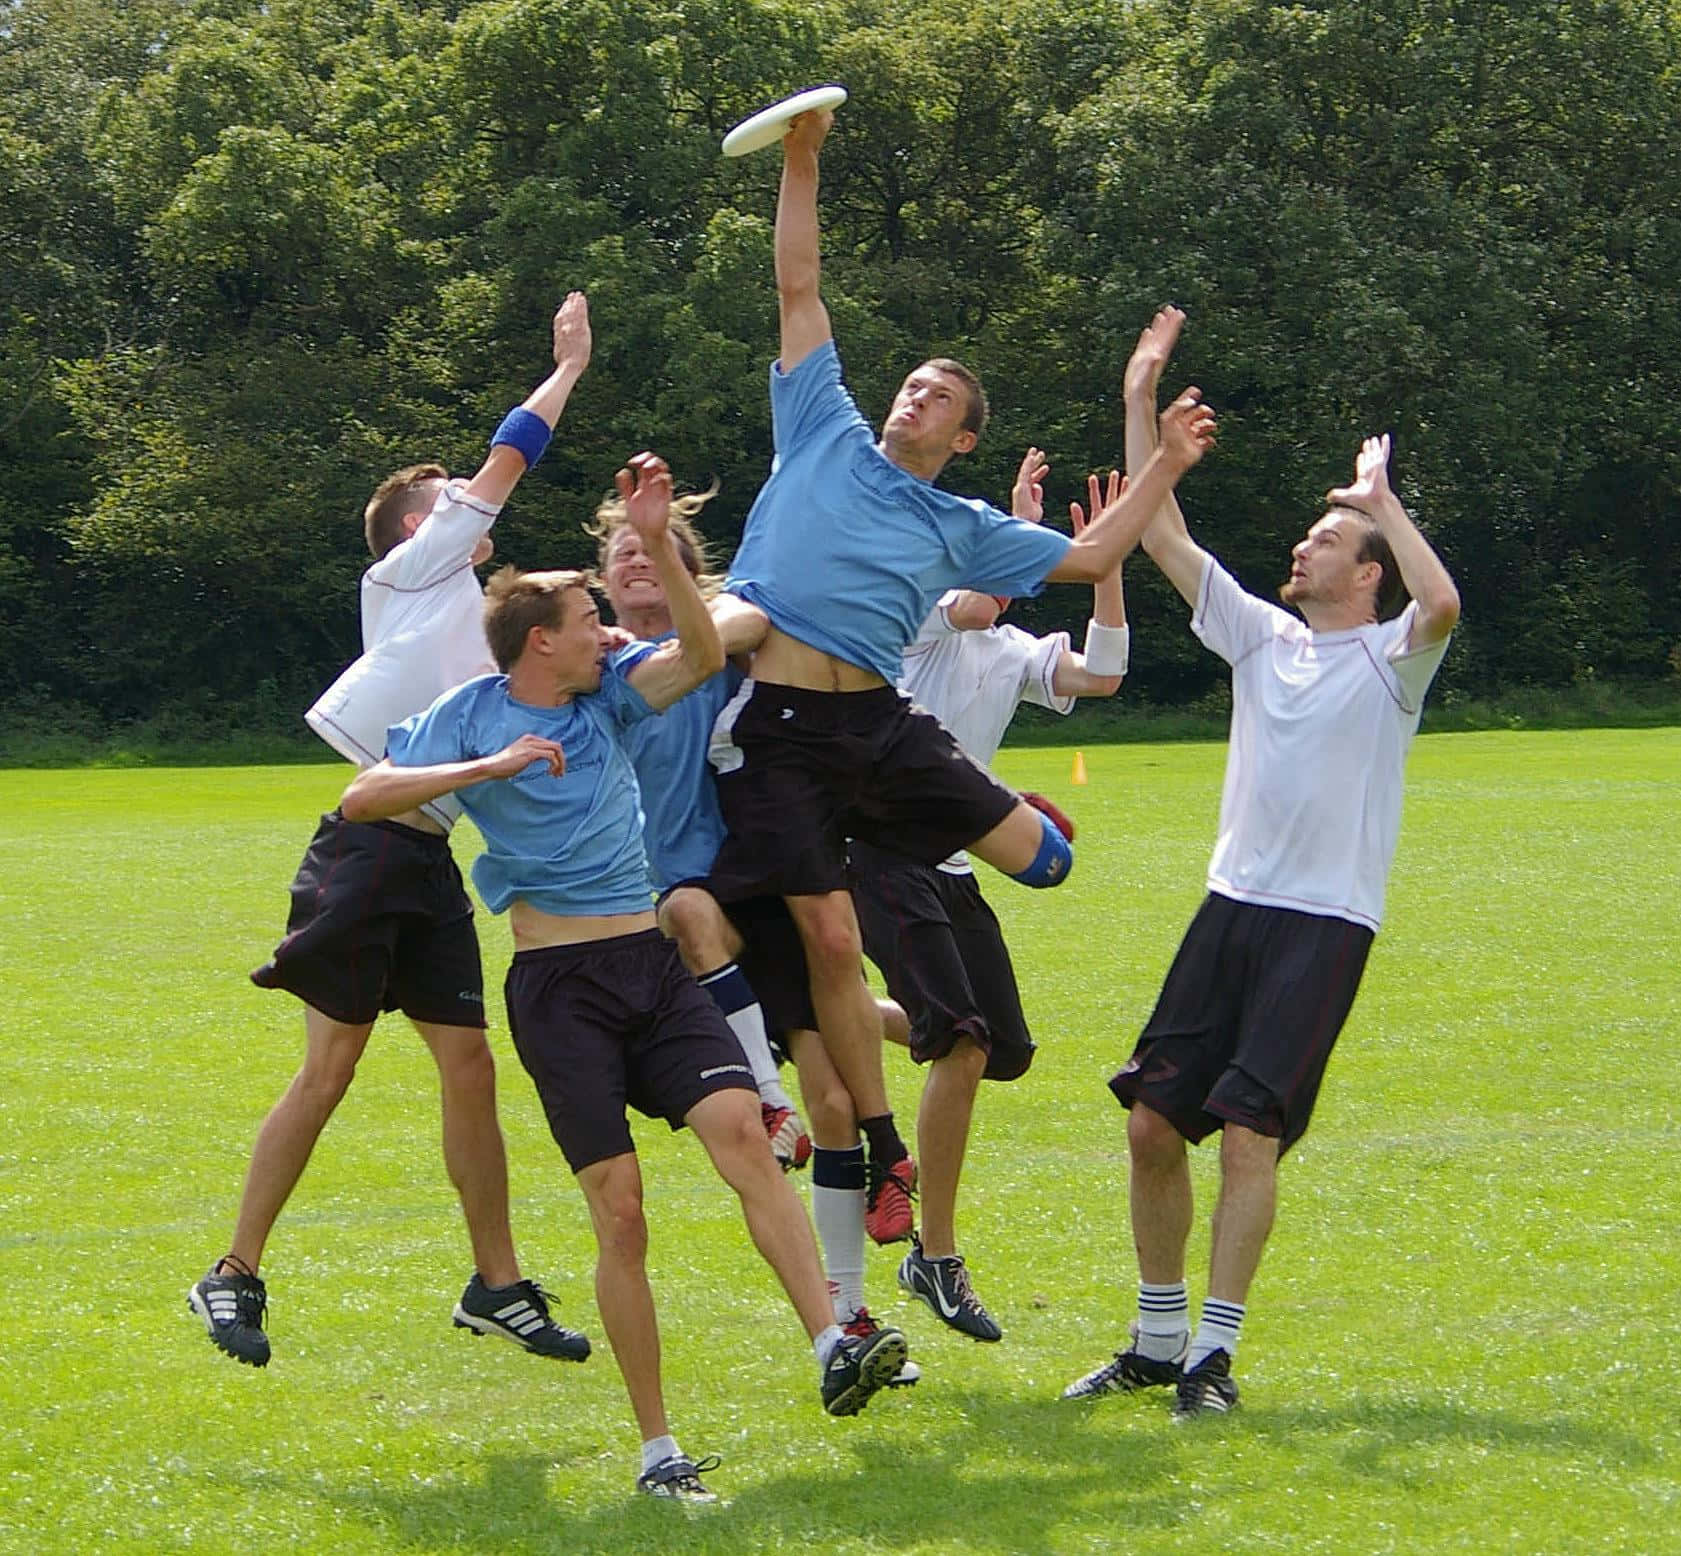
[385, 790]
[519, 442]
[1187, 433]
[1167, 540]
[1422, 571]
[678, 666]
[805, 321]
[1099, 670]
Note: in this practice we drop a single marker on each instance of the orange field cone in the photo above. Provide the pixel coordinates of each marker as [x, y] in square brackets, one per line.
[1079, 768]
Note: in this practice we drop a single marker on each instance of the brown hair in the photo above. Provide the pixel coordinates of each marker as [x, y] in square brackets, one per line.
[1391, 598]
[393, 498]
[515, 602]
[974, 418]
[610, 519]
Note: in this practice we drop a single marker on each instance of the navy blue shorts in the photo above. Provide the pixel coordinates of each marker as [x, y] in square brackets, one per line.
[1246, 1020]
[614, 1023]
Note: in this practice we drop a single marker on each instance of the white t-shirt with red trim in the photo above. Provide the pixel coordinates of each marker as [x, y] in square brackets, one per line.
[1321, 725]
[422, 633]
[973, 682]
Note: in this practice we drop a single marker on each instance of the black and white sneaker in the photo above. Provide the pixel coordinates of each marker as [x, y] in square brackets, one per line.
[944, 1285]
[1129, 1371]
[520, 1313]
[680, 1479]
[859, 1367]
[233, 1308]
[1207, 1388]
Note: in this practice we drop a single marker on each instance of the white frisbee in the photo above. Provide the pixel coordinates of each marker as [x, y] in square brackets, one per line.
[769, 125]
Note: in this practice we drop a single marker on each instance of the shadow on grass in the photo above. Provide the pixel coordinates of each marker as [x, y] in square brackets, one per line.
[1003, 1479]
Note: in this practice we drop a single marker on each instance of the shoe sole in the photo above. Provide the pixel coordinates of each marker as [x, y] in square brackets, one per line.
[875, 1372]
[475, 1325]
[912, 1289]
[197, 1304]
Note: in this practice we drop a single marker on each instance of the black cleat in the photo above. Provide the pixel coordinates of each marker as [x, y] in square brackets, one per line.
[520, 1313]
[859, 1368]
[680, 1479]
[1207, 1388]
[233, 1308]
[1128, 1372]
[944, 1285]
[861, 1326]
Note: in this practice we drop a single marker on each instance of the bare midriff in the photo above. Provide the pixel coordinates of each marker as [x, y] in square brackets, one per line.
[533, 928]
[786, 661]
[421, 822]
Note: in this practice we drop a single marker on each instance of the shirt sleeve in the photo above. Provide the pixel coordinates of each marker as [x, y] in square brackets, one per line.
[1414, 668]
[810, 401]
[1228, 619]
[936, 626]
[443, 544]
[627, 705]
[434, 737]
[1010, 556]
[1042, 655]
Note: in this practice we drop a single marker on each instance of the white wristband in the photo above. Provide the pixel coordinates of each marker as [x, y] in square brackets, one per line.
[1108, 649]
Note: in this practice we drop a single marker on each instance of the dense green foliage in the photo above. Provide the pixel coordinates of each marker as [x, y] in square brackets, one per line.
[254, 255]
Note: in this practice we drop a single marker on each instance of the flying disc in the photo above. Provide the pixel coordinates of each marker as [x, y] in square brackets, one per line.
[769, 125]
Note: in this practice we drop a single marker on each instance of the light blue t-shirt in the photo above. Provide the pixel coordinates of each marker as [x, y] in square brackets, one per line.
[847, 552]
[682, 827]
[570, 845]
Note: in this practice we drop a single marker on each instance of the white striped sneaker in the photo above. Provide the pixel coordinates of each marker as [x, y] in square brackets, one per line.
[520, 1313]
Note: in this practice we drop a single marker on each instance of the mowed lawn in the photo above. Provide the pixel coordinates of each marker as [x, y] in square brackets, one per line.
[1463, 1337]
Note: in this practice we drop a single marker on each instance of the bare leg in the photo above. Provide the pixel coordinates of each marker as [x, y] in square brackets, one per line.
[847, 1013]
[613, 1189]
[1244, 1213]
[942, 1138]
[727, 1124]
[294, 1124]
[1160, 1193]
[473, 1149]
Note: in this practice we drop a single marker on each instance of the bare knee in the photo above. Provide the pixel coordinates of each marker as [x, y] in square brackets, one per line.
[829, 932]
[466, 1068]
[1244, 1154]
[693, 919]
[1152, 1140]
[621, 1229]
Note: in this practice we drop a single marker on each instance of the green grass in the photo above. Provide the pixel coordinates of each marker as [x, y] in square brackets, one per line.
[1463, 1336]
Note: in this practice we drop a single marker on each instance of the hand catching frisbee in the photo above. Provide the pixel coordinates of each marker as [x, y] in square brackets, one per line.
[769, 125]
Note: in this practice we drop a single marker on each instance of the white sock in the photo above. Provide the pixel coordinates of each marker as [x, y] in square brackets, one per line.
[1217, 1330]
[657, 1450]
[1164, 1320]
[823, 1344]
[837, 1211]
[734, 996]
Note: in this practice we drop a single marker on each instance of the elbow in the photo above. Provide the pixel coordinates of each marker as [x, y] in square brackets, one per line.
[1439, 611]
[705, 660]
[354, 804]
[1101, 685]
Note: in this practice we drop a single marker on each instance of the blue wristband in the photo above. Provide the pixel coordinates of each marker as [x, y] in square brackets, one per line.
[526, 431]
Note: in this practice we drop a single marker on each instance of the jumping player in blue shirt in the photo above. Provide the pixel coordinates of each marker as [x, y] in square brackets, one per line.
[847, 548]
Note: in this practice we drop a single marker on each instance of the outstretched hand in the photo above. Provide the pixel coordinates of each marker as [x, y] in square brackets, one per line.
[1187, 430]
[645, 488]
[1371, 478]
[1027, 496]
[1099, 497]
[1155, 345]
[572, 341]
[808, 131]
[513, 759]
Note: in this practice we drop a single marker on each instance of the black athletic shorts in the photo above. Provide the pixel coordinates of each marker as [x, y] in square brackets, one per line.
[379, 921]
[938, 945]
[1246, 1020]
[799, 772]
[611, 1023]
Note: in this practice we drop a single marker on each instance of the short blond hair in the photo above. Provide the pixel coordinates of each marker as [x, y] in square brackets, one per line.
[515, 602]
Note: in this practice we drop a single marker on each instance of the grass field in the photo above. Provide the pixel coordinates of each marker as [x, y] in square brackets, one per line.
[1463, 1337]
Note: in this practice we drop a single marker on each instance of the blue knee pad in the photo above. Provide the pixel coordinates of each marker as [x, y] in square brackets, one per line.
[1052, 863]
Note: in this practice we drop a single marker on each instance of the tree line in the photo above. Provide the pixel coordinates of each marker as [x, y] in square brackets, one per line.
[253, 256]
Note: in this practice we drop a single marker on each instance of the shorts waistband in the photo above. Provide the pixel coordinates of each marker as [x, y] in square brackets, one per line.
[580, 950]
[866, 703]
[433, 840]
